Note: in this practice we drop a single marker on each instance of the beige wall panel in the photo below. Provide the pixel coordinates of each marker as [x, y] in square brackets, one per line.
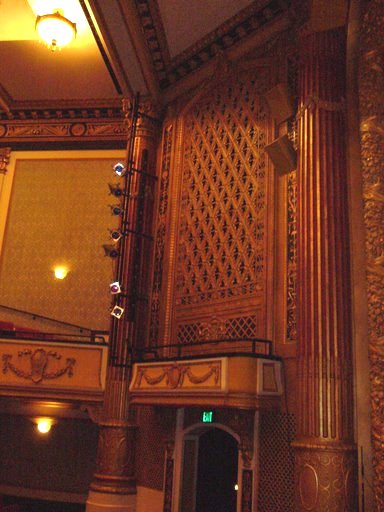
[59, 215]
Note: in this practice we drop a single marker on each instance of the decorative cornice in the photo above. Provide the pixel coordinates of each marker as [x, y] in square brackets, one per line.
[153, 29]
[103, 112]
[244, 24]
[71, 124]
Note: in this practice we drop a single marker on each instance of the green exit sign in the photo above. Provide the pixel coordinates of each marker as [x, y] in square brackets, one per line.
[207, 417]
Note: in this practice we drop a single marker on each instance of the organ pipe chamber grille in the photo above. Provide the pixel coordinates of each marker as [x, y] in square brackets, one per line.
[222, 234]
[135, 243]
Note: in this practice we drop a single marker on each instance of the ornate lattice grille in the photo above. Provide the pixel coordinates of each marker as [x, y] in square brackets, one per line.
[276, 462]
[221, 242]
[215, 329]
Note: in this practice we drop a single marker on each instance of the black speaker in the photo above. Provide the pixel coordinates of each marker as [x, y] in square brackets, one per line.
[282, 154]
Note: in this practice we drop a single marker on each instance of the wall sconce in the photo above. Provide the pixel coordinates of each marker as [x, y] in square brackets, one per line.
[44, 424]
[60, 272]
[55, 30]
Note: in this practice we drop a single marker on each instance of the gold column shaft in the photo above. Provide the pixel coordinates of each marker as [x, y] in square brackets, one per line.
[115, 467]
[325, 453]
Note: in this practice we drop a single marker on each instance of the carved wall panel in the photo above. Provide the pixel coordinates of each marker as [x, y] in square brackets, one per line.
[371, 92]
[160, 234]
[291, 255]
[222, 234]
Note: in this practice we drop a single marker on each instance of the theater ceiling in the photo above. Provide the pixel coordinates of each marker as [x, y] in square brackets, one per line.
[122, 47]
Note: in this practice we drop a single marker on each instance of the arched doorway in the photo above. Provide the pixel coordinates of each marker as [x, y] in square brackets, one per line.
[209, 472]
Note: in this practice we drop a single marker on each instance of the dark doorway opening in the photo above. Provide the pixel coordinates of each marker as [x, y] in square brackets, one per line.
[216, 486]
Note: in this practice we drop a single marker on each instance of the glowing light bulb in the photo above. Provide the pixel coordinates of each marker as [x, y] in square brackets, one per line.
[44, 425]
[60, 272]
[55, 30]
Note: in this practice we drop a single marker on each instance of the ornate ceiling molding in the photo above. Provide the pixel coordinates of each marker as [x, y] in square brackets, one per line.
[245, 24]
[70, 124]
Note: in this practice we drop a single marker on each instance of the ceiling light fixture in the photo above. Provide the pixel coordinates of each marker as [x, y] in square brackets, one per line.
[55, 30]
[43, 424]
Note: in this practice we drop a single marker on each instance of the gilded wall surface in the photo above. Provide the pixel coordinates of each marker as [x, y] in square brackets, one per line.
[59, 215]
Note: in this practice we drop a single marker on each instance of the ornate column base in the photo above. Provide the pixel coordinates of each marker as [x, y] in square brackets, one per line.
[103, 502]
[114, 484]
[325, 476]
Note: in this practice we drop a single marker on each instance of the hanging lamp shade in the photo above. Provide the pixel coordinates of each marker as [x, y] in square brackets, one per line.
[55, 30]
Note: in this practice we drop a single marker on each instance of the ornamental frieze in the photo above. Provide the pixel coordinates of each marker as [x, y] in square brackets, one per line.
[177, 375]
[38, 365]
[21, 131]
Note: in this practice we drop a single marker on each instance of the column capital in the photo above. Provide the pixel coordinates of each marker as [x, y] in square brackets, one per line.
[148, 115]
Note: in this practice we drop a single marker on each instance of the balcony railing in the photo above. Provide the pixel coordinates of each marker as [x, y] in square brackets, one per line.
[204, 348]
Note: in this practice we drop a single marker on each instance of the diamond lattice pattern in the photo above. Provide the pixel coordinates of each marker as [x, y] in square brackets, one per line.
[221, 248]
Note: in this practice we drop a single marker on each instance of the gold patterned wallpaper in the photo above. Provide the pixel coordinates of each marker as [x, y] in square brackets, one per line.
[59, 214]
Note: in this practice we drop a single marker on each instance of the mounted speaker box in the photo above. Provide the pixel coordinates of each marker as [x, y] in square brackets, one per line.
[282, 154]
[280, 103]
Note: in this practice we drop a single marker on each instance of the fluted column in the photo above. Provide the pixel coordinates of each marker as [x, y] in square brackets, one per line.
[325, 450]
[114, 483]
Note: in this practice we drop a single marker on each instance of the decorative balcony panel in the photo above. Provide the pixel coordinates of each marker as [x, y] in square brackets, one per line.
[234, 381]
[36, 369]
